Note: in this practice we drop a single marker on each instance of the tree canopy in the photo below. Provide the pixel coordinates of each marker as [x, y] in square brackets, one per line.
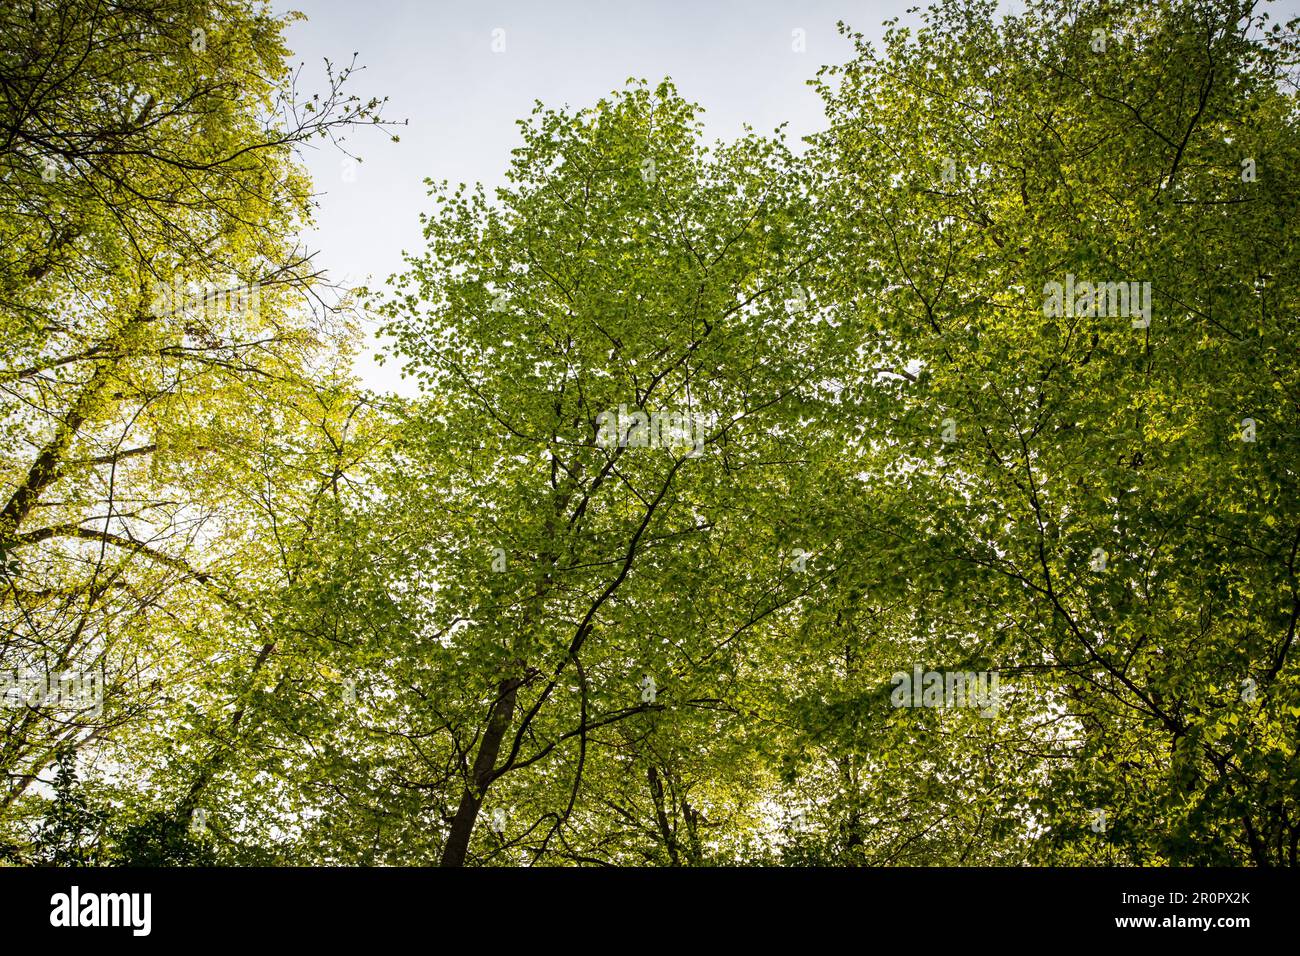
[921, 493]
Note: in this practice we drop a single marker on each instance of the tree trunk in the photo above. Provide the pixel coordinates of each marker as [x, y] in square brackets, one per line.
[49, 464]
[661, 815]
[462, 826]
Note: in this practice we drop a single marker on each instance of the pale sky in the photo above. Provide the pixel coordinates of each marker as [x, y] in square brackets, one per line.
[434, 60]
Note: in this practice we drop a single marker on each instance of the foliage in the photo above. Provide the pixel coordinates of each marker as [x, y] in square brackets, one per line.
[493, 625]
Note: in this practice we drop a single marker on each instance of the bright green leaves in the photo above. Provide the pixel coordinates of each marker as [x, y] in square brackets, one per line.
[997, 376]
[1103, 501]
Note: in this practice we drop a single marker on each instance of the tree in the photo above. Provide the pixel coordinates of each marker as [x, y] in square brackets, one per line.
[153, 290]
[925, 497]
[615, 370]
[1098, 496]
